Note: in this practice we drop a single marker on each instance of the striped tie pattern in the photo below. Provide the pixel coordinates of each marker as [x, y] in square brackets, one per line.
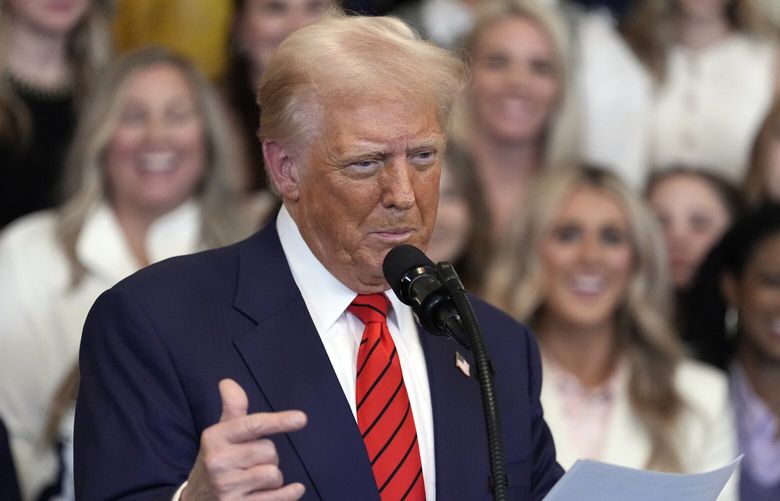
[383, 410]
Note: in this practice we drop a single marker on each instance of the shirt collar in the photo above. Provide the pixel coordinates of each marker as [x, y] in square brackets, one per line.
[103, 249]
[325, 296]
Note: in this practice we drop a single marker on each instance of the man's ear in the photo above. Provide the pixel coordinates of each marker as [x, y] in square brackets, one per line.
[283, 170]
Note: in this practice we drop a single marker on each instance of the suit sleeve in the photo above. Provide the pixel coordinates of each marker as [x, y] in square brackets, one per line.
[134, 435]
[546, 470]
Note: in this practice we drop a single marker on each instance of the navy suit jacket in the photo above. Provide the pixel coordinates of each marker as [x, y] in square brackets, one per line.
[156, 345]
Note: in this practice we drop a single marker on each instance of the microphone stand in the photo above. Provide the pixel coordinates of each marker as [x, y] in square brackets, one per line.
[484, 374]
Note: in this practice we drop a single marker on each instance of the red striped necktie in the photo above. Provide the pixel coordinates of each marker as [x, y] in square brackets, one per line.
[384, 413]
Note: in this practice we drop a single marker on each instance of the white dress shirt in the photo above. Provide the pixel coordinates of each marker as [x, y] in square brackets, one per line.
[327, 300]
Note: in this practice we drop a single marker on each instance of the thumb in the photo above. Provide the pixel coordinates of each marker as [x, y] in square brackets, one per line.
[234, 400]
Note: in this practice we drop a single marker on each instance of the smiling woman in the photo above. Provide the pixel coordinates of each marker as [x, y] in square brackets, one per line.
[152, 177]
[585, 267]
[747, 265]
[517, 118]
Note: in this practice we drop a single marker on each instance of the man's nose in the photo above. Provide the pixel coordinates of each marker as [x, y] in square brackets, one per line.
[398, 180]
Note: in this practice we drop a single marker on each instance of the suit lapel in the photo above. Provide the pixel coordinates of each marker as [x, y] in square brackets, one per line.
[291, 367]
[459, 425]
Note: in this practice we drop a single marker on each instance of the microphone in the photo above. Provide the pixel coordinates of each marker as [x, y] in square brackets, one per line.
[414, 279]
[442, 307]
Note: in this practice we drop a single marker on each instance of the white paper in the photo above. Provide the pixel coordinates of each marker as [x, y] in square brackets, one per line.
[597, 481]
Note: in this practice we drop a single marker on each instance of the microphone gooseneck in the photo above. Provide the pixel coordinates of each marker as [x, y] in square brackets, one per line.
[441, 305]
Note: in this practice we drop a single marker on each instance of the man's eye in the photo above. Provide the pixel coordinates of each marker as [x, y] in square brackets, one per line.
[424, 157]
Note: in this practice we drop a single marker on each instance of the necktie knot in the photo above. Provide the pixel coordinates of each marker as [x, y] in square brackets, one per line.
[369, 308]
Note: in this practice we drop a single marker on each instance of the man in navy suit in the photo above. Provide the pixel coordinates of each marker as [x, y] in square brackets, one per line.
[233, 373]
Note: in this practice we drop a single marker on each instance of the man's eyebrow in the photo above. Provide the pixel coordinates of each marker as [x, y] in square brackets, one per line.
[362, 149]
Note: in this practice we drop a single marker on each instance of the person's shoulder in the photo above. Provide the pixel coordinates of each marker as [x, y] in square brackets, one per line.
[702, 387]
[186, 271]
[32, 229]
[31, 239]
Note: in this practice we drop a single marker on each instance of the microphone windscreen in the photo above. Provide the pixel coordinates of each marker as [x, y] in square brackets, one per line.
[400, 260]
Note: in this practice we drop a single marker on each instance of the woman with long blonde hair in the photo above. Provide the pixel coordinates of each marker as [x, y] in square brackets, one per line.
[153, 175]
[49, 56]
[517, 118]
[585, 267]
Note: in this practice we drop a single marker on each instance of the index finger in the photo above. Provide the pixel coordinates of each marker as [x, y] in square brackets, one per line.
[262, 424]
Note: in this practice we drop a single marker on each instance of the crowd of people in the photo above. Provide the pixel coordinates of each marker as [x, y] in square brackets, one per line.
[611, 180]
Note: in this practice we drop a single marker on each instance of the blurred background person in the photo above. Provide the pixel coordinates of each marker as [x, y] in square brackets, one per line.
[152, 176]
[585, 267]
[695, 208]
[517, 118]
[762, 181]
[750, 276]
[50, 53]
[258, 27]
[614, 90]
[461, 234]
[714, 64]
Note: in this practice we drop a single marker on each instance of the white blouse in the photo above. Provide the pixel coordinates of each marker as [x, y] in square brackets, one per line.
[711, 104]
[41, 316]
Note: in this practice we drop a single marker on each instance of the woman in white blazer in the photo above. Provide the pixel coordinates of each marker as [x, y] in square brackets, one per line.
[584, 265]
[152, 172]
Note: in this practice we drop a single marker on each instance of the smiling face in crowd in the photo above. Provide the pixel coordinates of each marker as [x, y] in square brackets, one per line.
[156, 156]
[756, 295]
[587, 260]
[516, 81]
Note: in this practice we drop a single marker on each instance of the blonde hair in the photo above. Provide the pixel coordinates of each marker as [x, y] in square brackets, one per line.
[647, 340]
[221, 218]
[561, 135]
[754, 185]
[346, 58]
[88, 50]
[650, 28]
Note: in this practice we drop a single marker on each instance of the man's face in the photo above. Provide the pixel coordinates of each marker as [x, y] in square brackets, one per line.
[368, 183]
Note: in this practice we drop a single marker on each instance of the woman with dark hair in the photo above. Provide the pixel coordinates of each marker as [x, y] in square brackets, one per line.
[49, 56]
[259, 26]
[695, 208]
[747, 263]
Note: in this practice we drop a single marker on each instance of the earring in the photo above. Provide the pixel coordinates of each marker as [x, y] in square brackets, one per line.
[731, 322]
